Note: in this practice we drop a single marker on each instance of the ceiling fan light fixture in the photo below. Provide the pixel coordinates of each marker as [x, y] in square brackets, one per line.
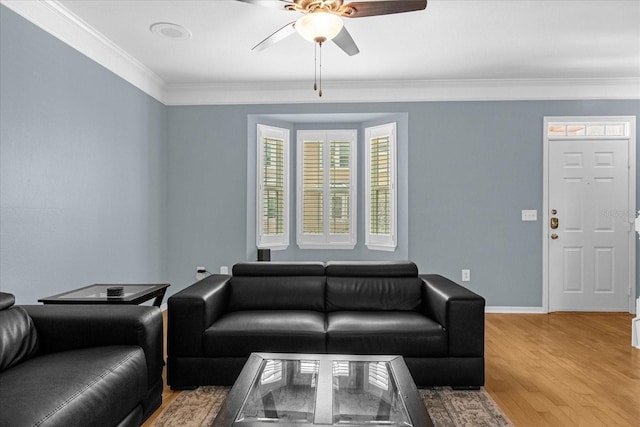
[319, 27]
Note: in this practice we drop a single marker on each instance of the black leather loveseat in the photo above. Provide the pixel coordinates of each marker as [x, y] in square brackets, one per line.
[335, 307]
[78, 365]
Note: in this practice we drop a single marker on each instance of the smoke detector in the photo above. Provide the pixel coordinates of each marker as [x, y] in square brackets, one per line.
[170, 31]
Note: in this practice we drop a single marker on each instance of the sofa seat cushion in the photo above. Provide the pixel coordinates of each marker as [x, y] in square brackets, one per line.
[239, 333]
[74, 388]
[409, 334]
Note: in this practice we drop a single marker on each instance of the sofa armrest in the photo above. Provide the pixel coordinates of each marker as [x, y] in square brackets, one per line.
[68, 327]
[459, 310]
[193, 310]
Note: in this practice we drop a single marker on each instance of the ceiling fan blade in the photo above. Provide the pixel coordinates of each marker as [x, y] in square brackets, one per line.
[359, 9]
[345, 42]
[273, 4]
[274, 38]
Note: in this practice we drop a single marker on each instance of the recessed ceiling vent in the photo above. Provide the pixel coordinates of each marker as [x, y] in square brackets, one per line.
[170, 31]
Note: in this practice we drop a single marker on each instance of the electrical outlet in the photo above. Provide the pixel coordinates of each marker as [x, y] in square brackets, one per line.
[224, 269]
[201, 273]
[529, 215]
[466, 275]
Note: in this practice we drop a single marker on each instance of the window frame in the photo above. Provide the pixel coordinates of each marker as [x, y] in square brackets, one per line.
[278, 241]
[374, 241]
[326, 239]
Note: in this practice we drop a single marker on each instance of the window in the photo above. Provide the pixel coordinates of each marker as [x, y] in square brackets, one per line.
[595, 129]
[273, 188]
[325, 188]
[326, 201]
[380, 188]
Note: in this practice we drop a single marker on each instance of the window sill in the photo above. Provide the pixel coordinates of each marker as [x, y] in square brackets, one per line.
[387, 248]
[326, 246]
[274, 247]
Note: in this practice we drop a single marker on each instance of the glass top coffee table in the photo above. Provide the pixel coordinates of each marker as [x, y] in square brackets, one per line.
[323, 389]
[97, 294]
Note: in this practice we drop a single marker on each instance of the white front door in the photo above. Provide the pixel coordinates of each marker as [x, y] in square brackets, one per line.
[588, 224]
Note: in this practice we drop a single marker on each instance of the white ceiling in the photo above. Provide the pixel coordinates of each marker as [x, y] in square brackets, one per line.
[496, 40]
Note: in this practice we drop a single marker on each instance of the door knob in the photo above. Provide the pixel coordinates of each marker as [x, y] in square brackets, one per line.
[554, 236]
[553, 223]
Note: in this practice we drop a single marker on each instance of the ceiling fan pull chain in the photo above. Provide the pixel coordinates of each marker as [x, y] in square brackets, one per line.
[320, 70]
[315, 67]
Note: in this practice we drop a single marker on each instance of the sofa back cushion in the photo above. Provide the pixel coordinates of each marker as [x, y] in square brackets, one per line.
[18, 337]
[277, 286]
[373, 285]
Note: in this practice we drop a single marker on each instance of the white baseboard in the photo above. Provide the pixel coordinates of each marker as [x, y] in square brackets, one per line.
[514, 310]
[539, 310]
[490, 309]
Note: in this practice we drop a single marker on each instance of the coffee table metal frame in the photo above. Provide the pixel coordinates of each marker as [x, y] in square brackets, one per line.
[96, 294]
[323, 406]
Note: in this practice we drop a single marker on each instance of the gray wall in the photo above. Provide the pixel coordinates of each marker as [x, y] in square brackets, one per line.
[100, 183]
[472, 167]
[82, 170]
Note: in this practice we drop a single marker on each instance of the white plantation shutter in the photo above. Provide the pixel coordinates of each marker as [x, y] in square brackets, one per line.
[340, 171]
[272, 188]
[313, 187]
[327, 185]
[380, 187]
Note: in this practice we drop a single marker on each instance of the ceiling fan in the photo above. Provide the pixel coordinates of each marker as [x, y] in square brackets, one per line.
[322, 20]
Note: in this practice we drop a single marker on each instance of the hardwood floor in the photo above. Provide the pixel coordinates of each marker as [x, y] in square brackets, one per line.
[560, 369]
[563, 369]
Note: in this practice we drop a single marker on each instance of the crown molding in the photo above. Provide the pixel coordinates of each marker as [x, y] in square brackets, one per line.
[54, 18]
[403, 91]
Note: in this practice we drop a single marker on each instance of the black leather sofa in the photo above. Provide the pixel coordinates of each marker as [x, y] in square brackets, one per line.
[79, 365]
[337, 307]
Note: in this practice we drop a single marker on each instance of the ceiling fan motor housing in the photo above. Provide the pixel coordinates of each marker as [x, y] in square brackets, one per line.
[332, 6]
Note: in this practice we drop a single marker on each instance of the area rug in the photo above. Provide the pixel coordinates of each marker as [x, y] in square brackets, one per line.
[447, 408]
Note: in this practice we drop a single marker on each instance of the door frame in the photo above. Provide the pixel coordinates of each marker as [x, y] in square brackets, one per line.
[630, 121]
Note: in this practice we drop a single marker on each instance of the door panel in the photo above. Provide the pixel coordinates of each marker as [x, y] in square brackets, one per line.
[605, 265]
[572, 270]
[589, 258]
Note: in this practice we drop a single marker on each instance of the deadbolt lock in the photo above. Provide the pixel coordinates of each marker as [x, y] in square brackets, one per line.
[554, 236]
[553, 211]
[554, 223]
